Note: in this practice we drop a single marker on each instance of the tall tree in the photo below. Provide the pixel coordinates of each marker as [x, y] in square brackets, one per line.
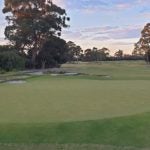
[143, 45]
[88, 54]
[119, 53]
[31, 23]
[75, 51]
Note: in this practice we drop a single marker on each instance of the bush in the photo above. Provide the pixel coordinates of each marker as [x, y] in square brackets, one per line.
[53, 53]
[10, 60]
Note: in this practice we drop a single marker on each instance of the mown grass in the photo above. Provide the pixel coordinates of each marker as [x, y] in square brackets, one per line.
[133, 131]
[65, 147]
[58, 99]
[110, 106]
[119, 70]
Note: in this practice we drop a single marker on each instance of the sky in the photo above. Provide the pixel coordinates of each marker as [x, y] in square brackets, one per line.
[115, 24]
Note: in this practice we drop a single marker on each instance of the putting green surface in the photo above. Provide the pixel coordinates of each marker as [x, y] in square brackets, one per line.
[108, 106]
[48, 99]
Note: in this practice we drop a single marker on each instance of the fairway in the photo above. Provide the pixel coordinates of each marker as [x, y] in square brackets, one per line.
[109, 105]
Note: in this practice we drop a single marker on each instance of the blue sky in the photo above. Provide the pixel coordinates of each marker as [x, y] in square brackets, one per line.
[115, 24]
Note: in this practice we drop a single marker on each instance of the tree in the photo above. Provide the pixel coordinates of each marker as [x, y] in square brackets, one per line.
[138, 51]
[96, 54]
[119, 54]
[88, 55]
[143, 45]
[32, 23]
[74, 52]
[104, 53]
[54, 52]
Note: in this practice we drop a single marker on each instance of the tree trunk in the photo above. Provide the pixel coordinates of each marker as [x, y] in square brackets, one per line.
[33, 59]
[43, 65]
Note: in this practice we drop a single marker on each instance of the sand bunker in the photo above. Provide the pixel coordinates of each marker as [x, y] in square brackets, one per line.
[16, 82]
[38, 73]
[65, 74]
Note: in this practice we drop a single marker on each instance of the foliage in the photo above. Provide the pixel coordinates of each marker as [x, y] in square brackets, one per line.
[6, 48]
[96, 54]
[119, 54]
[74, 51]
[142, 47]
[54, 52]
[32, 23]
[10, 61]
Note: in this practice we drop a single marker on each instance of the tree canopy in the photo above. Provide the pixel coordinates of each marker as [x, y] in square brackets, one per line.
[119, 53]
[74, 51]
[96, 54]
[143, 45]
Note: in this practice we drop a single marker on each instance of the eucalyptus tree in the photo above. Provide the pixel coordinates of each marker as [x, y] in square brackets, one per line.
[119, 53]
[143, 45]
[31, 23]
[75, 51]
[96, 54]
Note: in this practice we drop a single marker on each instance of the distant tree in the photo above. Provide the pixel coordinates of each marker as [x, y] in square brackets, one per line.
[31, 23]
[143, 45]
[96, 54]
[119, 54]
[88, 56]
[104, 53]
[74, 52]
[4, 48]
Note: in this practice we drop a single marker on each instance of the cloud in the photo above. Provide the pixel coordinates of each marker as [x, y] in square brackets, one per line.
[144, 15]
[144, 12]
[91, 6]
[61, 3]
[113, 37]
[102, 29]
[72, 34]
[105, 33]
[125, 33]
[123, 43]
[101, 38]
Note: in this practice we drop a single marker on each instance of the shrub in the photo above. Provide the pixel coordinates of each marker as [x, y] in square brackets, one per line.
[10, 60]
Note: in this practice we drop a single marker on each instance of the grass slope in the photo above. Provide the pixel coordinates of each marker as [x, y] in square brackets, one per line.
[123, 131]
